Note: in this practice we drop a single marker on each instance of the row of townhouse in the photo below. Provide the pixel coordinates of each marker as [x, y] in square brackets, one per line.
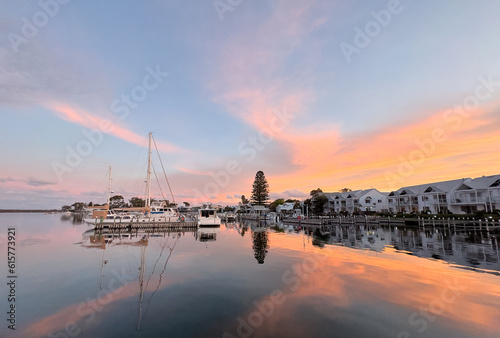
[358, 201]
[462, 196]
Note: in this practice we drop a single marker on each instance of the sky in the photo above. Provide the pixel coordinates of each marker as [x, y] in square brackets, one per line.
[328, 94]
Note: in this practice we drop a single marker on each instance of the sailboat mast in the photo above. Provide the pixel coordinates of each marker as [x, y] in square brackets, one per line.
[109, 185]
[148, 197]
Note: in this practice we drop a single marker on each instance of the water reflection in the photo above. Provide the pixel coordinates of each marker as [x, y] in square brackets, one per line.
[468, 248]
[260, 245]
[75, 217]
[105, 238]
[367, 282]
[208, 234]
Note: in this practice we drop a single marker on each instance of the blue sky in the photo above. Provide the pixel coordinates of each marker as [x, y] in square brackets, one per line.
[348, 123]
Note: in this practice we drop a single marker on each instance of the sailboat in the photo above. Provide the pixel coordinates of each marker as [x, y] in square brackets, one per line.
[156, 212]
[153, 212]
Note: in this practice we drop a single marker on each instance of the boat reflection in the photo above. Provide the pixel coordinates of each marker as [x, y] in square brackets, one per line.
[208, 234]
[99, 238]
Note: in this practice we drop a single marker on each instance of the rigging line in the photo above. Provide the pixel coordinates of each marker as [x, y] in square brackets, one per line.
[139, 154]
[162, 272]
[158, 181]
[139, 179]
[154, 266]
[100, 184]
[161, 162]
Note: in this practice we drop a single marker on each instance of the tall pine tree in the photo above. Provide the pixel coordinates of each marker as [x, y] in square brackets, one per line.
[260, 191]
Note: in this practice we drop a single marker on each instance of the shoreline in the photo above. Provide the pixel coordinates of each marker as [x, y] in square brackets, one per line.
[28, 210]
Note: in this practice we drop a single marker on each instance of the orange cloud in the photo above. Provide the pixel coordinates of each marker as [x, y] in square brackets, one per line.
[363, 161]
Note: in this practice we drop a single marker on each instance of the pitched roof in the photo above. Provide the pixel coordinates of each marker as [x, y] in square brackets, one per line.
[444, 186]
[484, 182]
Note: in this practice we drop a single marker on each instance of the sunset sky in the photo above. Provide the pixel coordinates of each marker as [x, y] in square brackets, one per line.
[327, 94]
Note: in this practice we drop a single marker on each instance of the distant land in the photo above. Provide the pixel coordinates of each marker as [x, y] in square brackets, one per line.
[29, 210]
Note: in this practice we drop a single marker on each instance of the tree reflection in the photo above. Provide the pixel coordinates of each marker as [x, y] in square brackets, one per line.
[260, 245]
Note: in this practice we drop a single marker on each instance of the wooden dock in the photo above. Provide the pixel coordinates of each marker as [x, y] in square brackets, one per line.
[449, 223]
[150, 226]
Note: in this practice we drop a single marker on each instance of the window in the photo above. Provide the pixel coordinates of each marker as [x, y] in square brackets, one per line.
[379, 201]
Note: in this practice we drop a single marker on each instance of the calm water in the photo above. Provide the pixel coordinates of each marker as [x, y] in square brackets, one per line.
[249, 282]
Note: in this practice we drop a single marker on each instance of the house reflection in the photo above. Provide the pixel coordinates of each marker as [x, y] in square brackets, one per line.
[467, 248]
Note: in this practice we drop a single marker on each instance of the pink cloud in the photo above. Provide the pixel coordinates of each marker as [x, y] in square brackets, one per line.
[88, 120]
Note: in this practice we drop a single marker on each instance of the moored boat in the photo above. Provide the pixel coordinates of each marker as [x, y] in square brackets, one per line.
[207, 216]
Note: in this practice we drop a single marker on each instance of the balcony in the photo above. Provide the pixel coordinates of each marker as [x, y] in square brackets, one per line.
[473, 200]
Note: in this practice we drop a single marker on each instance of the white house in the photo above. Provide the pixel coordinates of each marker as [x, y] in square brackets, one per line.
[433, 198]
[329, 207]
[344, 201]
[372, 200]
[482, 193]
[285, 209]
[259, 210]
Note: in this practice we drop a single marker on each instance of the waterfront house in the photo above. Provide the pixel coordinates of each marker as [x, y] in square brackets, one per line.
[329, 207]
[372, 200]
[431, 198]
[359, 201]
[481, 193]
[340, 204]
[259, 210]
[285, 209]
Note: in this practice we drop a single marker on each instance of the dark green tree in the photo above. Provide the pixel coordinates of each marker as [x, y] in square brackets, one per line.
[345, 190]
[275, 203]
[137, 202]
[244, 200]
[307, 205]
[186, 204]
[116, 201]
[78, 206]
[316, 192]
[296, 205]
[318, 204]
[260, 190]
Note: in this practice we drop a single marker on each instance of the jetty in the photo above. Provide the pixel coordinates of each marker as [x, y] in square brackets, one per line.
[150, 225]
[487, 225]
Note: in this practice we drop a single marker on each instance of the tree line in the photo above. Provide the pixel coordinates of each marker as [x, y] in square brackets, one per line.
[260, 196]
